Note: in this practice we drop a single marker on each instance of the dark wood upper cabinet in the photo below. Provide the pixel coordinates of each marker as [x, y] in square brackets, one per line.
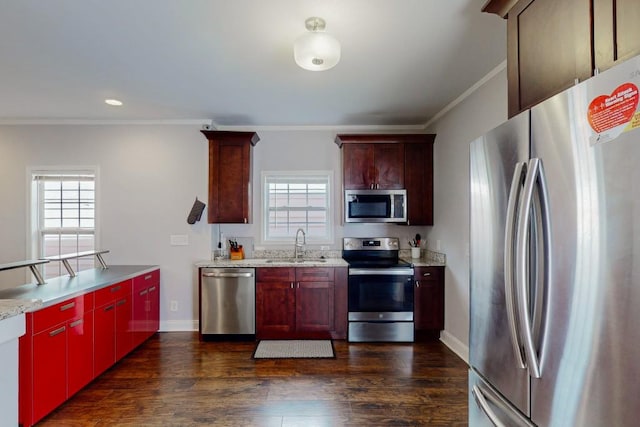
[392, 161]
[551, 44]
[372, 162]
[616, 33]
[230, 176]
[548, 48]
[418, 180]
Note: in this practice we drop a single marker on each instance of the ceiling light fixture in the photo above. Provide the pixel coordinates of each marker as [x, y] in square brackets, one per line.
[316, 50]
[113, 102]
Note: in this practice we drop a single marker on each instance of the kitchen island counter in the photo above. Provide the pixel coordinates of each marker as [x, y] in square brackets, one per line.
[58, 289]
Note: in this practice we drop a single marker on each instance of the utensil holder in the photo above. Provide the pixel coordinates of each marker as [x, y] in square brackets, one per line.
[415, 252]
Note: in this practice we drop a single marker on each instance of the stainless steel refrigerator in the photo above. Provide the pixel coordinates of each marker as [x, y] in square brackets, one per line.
[555, 261]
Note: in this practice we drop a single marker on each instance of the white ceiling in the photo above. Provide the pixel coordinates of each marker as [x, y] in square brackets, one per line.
[231, 61]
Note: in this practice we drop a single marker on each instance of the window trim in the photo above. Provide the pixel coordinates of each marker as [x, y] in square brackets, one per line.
[33, 205]
[325, 174]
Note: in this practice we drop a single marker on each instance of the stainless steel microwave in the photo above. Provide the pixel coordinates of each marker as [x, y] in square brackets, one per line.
[375, 206]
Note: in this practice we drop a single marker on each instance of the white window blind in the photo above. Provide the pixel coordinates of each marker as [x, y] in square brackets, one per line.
[297, 200]
[65, 217]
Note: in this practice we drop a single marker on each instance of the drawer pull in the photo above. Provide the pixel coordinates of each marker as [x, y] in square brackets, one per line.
[109, 307]
[144, 292]
[152, 289]
[76, 323]
[426, 274]
[58, 331]
[116, 288]
[68, 306]
[122, 301]
[148, 276]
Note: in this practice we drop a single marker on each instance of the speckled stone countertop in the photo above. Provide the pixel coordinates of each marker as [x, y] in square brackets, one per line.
[428, 258]
[279, 258]
[14, 307]
[273, 262]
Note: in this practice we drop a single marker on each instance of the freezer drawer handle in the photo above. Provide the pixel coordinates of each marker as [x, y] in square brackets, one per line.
[482, 403]
[509, 285]
[227, 274]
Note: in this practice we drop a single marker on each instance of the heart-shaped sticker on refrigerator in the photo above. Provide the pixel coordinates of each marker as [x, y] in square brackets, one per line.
[609, 111]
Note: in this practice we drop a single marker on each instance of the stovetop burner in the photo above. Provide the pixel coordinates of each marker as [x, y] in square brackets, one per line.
[376, 252]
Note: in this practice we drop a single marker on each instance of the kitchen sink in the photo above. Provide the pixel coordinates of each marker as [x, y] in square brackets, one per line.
[295, 261]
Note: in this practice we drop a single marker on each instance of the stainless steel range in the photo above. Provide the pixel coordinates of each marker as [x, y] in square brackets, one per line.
[380, 290]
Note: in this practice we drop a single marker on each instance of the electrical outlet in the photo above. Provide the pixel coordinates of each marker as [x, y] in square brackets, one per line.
[174, 305]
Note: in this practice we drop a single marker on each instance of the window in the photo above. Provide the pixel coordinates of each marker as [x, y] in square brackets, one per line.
[63, 217]
[295, 200]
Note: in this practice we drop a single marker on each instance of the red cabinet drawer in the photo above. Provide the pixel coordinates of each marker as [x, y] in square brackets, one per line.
[61, 312]
[111, 293]
[146, 280]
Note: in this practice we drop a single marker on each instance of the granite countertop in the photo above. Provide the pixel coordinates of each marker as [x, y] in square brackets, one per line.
[58, 289]
[273, 262]
[424, 262]
[14, 307]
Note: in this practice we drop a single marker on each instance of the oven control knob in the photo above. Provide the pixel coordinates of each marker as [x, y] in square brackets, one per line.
[380, 316]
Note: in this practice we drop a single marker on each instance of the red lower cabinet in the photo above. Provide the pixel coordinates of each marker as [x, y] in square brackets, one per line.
[146, 306]
[80, 353]
[49, 370]
[104, 346]
[68, 344]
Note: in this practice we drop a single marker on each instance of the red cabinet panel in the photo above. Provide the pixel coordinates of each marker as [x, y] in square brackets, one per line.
[112, 293]
[49, 370]
[104, 348]
[79, 353]
[124, 331]
[145, 306]
[61, 312]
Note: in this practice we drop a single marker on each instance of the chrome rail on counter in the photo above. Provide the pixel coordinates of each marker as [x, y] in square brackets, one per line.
[66, 257]
[28, 263]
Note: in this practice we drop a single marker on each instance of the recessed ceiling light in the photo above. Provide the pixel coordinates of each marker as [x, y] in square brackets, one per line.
[113, 102]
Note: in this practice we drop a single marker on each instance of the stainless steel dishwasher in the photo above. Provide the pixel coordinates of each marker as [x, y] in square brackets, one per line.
[227, 303]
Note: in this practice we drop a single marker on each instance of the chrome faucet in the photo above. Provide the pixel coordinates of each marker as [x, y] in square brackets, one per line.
[297, 246]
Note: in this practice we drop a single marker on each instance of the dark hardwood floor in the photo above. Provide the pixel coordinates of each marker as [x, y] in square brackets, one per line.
[175, 380]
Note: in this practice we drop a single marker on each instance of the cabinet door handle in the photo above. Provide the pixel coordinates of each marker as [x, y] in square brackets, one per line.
[148, 276]
[116, 288]
[122, 301]
[245, 220]
[58, 331]
[417, 284]
[68, 306]
[291, 285]
[76, 323]
[144, 292]
[152, 289]
[426, 274]
[109, 307]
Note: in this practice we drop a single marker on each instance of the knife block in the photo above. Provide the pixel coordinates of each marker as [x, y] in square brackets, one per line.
[237, 254]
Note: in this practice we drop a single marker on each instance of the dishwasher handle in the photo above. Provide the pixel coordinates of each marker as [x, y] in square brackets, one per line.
[227, 274]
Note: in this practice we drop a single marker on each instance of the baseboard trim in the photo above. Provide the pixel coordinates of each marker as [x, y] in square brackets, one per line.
[178, 325]
[455, 345]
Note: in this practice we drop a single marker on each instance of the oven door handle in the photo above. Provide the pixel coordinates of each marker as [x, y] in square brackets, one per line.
[381, 271]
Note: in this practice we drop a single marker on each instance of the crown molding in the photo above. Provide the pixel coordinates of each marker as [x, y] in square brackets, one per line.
[467, 93]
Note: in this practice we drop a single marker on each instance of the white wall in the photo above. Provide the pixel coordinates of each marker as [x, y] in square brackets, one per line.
[149, 177]
[482, 110]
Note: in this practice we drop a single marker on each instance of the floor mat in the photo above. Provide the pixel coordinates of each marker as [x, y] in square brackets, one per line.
[295, 349]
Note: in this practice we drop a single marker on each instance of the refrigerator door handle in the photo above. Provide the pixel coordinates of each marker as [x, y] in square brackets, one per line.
[522, 266]
[509, 283]
[482, 403]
